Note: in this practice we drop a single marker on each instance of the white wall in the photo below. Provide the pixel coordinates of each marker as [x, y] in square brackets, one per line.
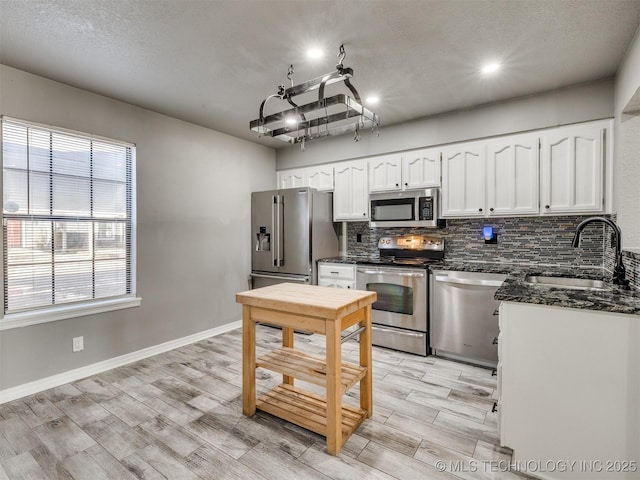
[627, 128]
[193, 213]
[568, 105]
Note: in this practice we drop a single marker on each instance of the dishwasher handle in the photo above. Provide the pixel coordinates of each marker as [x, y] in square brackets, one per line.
[468, 281]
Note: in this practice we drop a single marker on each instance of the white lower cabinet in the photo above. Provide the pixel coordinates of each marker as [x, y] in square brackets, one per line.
[337, 275]
[569, 382]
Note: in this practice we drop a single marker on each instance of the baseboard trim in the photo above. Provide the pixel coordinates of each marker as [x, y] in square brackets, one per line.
[36, 386]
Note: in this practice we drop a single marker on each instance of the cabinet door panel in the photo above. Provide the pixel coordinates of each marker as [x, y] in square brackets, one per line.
[561, 169]
[385, 173]
[512, 175]
[351, 194]
[421, 169]
[463, 180]
[571, 167]
[360, 192]
[342, 192]
[526, 177]
[501, 176]
[320, 177]
[587, 168]
[292, 179]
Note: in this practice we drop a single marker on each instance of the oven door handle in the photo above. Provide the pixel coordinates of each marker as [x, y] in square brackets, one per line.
[388, 330]
[389, 272]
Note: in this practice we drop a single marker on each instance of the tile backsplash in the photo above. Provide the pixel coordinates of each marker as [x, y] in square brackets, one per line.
[631, 262]
[521, 240]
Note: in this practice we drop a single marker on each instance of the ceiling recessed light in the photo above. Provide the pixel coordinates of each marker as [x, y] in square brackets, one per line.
[314, 53]
[372, 100]
[491, 68]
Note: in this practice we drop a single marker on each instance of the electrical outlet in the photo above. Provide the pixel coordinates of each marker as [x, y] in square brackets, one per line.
[78, 344]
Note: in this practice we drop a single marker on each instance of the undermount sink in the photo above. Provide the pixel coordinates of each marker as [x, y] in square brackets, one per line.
[568, 282]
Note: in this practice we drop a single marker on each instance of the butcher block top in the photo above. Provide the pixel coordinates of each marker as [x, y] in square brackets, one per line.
[311, 300]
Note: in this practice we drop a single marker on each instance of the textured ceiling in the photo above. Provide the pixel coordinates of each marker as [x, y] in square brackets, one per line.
[212, 62]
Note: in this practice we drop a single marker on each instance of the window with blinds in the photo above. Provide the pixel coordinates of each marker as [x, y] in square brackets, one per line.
[67, 217]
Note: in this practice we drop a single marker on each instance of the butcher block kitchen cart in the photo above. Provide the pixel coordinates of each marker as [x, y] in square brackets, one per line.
[323, 310]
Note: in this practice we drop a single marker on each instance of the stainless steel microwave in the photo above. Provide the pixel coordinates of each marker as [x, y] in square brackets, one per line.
[413, 208]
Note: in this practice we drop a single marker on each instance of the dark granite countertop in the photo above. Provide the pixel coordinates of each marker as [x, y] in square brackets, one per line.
[475, 267]
[515, 289]
[353, 259]
[613, 299]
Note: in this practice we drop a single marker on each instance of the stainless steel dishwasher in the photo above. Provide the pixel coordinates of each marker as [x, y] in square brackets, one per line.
[464, 316]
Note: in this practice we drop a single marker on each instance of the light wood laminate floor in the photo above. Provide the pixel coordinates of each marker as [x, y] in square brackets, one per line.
[178, 415]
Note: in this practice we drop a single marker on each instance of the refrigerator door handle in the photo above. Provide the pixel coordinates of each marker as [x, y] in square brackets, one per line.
[275, 232]
[280, 230]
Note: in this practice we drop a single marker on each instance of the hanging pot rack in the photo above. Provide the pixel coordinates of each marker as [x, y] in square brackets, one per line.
[333, 115]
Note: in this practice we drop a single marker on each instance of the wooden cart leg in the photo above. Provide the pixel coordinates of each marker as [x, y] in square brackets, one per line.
[287, 341]
[366, 384]
[248, 362]
[334, 392]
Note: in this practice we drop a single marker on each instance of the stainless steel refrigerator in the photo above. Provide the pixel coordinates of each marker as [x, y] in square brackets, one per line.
[290, 230]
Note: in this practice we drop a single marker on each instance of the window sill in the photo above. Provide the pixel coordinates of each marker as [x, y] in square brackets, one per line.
[63, 312]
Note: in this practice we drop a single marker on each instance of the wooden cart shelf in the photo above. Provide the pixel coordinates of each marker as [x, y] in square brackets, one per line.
[322, 310]
[308, 410]
[309, 368]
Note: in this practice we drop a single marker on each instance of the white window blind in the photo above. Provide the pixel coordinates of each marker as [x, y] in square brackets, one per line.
[67, 217]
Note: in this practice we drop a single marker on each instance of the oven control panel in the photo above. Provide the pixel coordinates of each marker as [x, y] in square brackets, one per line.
[411, 242]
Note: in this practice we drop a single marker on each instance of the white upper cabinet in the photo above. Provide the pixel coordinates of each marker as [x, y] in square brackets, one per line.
[405, 171]
[512, 175]
[350, 193]
[385, 173]
[546, 172]
[320, 177]
[292, 178]
[421, 168]
[571, 169]
[463, 180]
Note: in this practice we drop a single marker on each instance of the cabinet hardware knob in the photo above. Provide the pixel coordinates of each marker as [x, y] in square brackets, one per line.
[491, 209]
[406, 184]
[364, 214]
[397, 184]
[479, 209]
[546, 206]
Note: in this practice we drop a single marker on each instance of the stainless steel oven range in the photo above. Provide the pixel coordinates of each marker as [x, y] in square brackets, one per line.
[400, 277]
